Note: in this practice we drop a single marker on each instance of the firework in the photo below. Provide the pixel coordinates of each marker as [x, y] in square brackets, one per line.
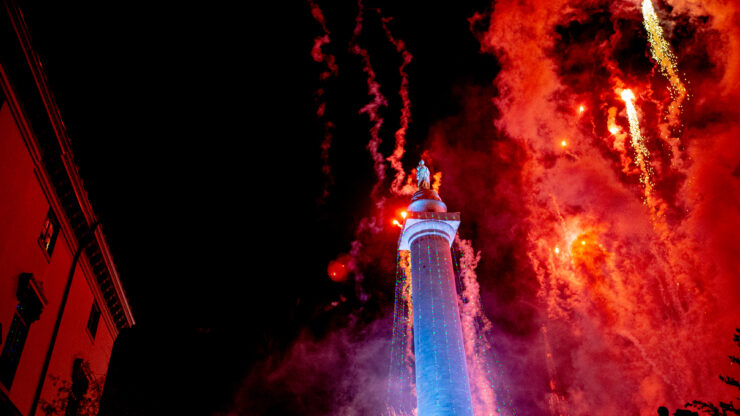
[638, 142]
[661, 52]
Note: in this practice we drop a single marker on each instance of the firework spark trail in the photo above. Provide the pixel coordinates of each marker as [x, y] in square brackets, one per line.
[554, 401]
[654, 203]
[638, 143]
[331, 70]
[657, 208]
[372, 109]
[626, 334]
[397, 187]
[661, 52]
[476, 329]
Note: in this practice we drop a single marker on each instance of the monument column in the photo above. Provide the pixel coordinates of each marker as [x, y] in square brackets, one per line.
[442, 385]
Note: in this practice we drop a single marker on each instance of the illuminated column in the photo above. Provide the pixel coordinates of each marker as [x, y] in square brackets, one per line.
[442, 386]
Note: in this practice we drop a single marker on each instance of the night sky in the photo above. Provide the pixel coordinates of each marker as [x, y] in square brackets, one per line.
[195, 132]
[197, 136]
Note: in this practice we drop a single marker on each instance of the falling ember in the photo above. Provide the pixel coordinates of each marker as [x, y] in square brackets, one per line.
[638, 143]
[581, 109]
[397, 224]
[557, 250]
[404, 214]
[563, 143]
[661, 52]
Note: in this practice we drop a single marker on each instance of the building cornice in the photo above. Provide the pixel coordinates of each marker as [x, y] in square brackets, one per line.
[419, 224]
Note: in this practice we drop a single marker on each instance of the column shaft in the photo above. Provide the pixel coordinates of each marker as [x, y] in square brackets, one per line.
[442, 386]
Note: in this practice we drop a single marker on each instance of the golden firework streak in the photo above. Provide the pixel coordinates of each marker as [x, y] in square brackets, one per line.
[661, 52]
[638, 143]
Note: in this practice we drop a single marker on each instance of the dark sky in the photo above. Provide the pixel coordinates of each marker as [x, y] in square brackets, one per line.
[195, 131]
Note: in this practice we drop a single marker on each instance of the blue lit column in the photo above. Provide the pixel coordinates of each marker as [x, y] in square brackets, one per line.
[442, 386]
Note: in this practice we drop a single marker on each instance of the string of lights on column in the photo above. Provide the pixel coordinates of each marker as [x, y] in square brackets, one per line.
[401, 382]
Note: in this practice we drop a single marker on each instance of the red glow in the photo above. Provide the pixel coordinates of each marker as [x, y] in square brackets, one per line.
[337, 270]
[625, 244]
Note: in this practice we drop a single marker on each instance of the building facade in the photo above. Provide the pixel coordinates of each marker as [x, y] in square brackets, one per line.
[61, 300]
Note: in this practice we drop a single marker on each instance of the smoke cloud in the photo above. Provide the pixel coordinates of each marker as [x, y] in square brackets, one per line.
[601, 298]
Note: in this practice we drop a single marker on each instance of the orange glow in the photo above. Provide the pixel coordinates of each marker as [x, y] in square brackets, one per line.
[581, 109]
[403, 214]
[563, 143]
[613, 130]
[592, 262]
[437, 181]
[557, 250]
[398, 224]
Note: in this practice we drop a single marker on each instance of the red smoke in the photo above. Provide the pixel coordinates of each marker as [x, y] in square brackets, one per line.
[372, 109]
[634, 299]
[397, 187]
[603, 294]
[318, 55]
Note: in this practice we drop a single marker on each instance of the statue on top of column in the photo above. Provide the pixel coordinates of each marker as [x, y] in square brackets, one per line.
[422, 177]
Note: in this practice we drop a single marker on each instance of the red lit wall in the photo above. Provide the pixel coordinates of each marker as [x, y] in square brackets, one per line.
[25, 198]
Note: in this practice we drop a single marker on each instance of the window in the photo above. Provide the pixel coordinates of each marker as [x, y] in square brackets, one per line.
[13, 348]
[92, 321]
[49, 233]
[27, 311]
